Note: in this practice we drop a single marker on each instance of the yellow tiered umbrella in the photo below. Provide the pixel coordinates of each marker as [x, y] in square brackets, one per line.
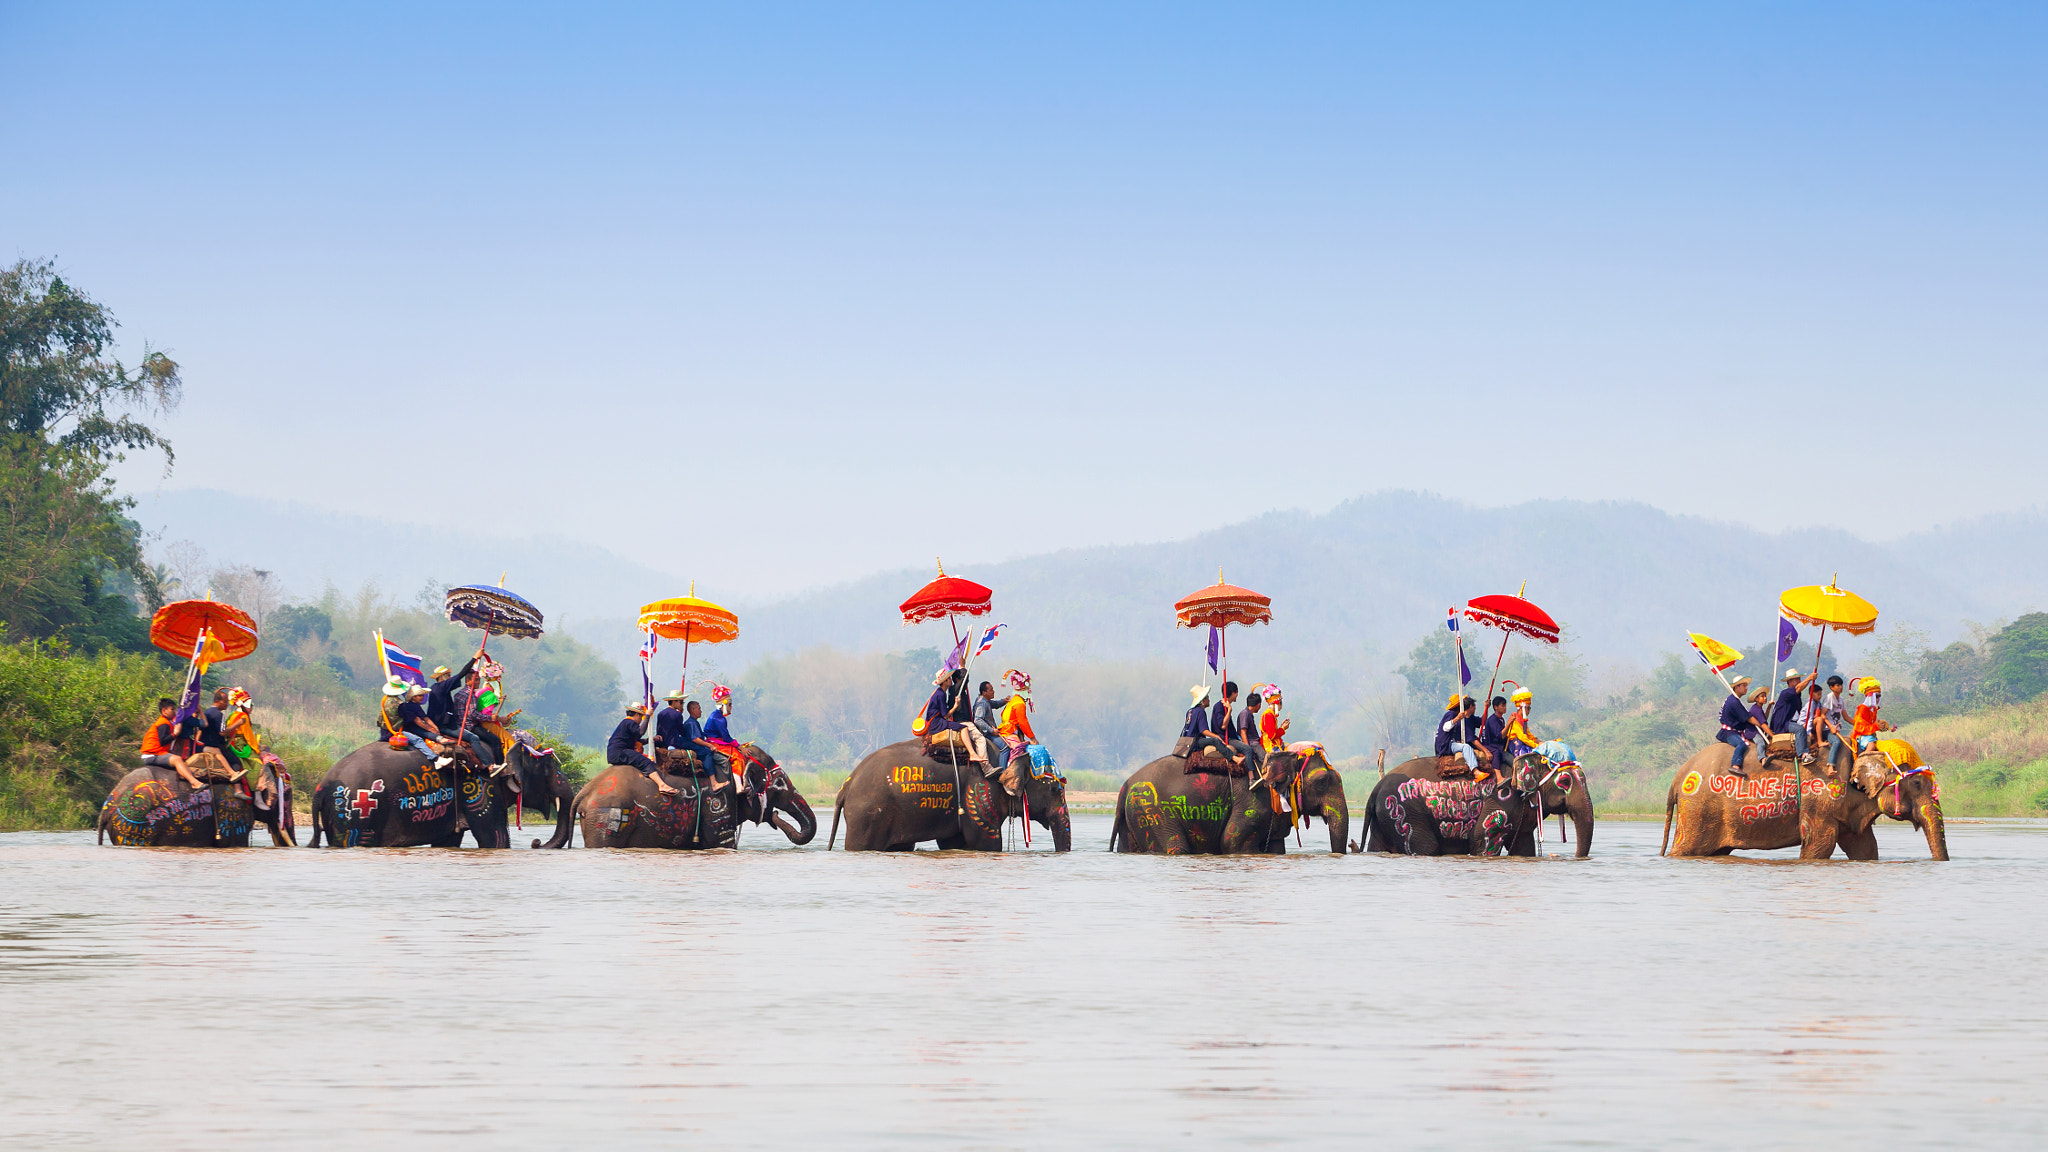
[1826, 606]
[691, 620]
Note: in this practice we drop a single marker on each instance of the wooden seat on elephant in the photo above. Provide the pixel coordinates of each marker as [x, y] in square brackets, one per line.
[211, 770]
[949, 745]
[1208, 763]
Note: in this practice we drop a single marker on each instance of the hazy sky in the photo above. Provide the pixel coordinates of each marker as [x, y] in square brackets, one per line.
[774, 296]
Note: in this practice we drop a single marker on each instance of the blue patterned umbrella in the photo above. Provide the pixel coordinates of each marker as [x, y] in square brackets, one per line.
[494, 610]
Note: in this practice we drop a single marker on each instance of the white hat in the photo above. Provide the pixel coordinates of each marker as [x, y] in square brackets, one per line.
[1792, 675]
[394, 687]
[1198, 692]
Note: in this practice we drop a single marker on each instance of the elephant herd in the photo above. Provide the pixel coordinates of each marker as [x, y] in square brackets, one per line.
[899, 797]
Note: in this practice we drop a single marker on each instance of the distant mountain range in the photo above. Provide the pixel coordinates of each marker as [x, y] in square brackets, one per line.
[1352, 589]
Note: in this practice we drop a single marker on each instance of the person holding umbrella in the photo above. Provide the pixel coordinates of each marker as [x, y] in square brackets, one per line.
[938, 717]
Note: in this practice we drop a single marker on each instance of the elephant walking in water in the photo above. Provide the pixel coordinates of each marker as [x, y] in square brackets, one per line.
[620, 808]
[1162, 808]
[383, 797]
[1714, 811]
[898, 797]
[1564, 794]
[1420, 817]
[150, 807]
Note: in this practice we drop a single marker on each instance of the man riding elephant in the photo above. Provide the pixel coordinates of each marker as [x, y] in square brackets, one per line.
[621, 808]
[901, 796]
[384, 797]
[1563, 792]
[1712, 811]
[1422, 817]
[1172, 809]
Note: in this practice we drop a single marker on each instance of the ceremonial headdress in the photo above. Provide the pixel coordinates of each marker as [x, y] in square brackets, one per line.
[720, 694]
[491, 670]
[1017, 681]
[238, 697]
[1522, 696]
[1868, 685]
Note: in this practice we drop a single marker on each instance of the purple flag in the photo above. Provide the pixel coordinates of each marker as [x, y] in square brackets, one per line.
[188, 700]
[1464, 673]
[958, 657]
[1787, 637]
[1215, 642]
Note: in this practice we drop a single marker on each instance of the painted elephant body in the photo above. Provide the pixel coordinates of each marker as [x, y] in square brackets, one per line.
[383, 797]
[151, 807]
[620, 808]
[897, 798]
[537, 783]
[1563, 795]
[1711, 811]
[1420, 817]
[1164, 809]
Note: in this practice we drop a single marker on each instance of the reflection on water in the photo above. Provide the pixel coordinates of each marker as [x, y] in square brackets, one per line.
[775, 995]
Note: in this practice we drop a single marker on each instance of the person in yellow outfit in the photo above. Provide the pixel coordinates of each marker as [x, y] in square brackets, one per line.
[239, 737]
[1272, 729]
[1521, 739]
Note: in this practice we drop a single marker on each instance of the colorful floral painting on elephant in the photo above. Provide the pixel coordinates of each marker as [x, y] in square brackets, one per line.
[620, 808]
[152, 808]
[1165, 809]
[898, 797]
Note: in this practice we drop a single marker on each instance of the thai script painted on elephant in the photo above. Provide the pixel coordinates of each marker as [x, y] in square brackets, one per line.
[1454, 803]
[428, 806]
[906, 774]
[423, 781]
[1145, 798]
[187, 809]
[1181, 808]
[1761, 787]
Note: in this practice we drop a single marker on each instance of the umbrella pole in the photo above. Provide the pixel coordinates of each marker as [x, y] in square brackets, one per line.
[471, 697]
[1799, 766]
[1496, 669]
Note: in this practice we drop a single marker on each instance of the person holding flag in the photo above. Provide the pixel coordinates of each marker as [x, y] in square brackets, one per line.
[1738, 727]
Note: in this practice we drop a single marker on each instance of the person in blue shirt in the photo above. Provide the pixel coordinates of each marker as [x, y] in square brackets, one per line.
[1460, 735]
[1738, 727]
[1224, 724]
[668, 723]
[624, 746]
[1785, 713]
[691, 739]
[1197, 728]
[1493, 735]
[938, 717]
[1444, 724]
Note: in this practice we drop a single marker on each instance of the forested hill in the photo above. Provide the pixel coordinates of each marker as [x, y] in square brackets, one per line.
[1352, 589]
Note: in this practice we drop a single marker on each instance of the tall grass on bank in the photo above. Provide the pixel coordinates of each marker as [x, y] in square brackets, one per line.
[1989, 763]
[69, 727]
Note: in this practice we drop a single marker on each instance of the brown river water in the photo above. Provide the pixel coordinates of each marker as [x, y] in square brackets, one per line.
[780, 997]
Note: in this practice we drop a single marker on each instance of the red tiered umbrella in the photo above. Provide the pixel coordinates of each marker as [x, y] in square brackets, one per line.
[948, 596]
[1514, 616]
[1221, 605]
[176, 628]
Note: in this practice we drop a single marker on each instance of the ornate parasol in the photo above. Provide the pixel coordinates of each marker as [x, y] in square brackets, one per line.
[1514, 616]
[952, 598]
[1824, 606]
[178, 626]
[690, 620]
[493, 611]
[1220, 605]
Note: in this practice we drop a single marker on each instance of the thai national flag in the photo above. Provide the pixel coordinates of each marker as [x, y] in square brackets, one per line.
[649, 642]
[1452, 624]
[988, 638]
[403, 664]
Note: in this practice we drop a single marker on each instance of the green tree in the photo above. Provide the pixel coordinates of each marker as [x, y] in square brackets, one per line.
[68, 410]
[2019, 657]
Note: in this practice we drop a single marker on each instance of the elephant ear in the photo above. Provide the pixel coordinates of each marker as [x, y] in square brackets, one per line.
[1871, 774]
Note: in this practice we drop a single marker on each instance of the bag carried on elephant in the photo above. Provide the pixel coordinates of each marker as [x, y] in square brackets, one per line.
[1183, 746]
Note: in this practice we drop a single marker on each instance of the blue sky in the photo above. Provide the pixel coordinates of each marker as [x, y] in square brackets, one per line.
[777, 295]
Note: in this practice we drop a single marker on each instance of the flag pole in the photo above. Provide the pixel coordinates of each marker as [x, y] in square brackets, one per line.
[377, 636]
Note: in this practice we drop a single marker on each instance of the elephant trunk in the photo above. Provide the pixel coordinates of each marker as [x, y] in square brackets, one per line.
[792, 802]
[1579, 802]
[1062, 829]
[1337, 814]
[1937, 833]
[565, 823]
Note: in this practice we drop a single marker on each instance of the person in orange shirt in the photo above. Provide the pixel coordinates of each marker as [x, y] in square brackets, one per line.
[1015, 726]
[1867, 724]
[160, 742]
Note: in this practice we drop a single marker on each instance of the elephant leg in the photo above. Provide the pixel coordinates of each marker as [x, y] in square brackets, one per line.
[1821, 844]
[1859, 845]
[1422, 837]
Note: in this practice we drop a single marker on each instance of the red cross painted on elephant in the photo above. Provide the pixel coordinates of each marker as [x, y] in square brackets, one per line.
[366, 799]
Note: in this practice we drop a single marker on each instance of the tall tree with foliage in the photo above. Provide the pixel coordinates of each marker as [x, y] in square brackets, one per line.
[68, 410]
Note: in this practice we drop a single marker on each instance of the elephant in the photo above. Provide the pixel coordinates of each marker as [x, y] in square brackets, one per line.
[897, 797]
[383, 797]
[538, 784]
[1777, 805]
[620, 808]
[150, 807]
[1422, 817]
[1566, 794]
[1164, 809]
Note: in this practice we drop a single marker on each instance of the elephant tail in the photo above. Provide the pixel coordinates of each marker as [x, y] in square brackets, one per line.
[1670, 805]
[1116, 827]
[838, 802]
[100, 836]
[316, 821]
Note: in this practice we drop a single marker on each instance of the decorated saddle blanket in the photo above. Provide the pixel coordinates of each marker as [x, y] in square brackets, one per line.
[1210, 764]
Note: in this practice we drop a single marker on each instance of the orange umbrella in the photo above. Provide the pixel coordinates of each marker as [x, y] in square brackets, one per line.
[176, 628]
[1221, 605]
[690, 620]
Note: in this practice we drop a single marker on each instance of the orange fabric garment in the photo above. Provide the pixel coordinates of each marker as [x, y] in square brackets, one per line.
[1518, 730]
[1016, 720]
[1271, 739]
[237, 725]
[152, 740]
[1866, 721]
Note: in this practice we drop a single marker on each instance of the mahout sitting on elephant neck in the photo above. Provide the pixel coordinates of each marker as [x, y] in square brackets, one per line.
[621, 807]
[1562, 794]
[1711, 811]
[898, 797]
[1167, 810]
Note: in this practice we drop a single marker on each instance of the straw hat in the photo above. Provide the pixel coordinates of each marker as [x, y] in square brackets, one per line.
[394, 687]
[1198, 693]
